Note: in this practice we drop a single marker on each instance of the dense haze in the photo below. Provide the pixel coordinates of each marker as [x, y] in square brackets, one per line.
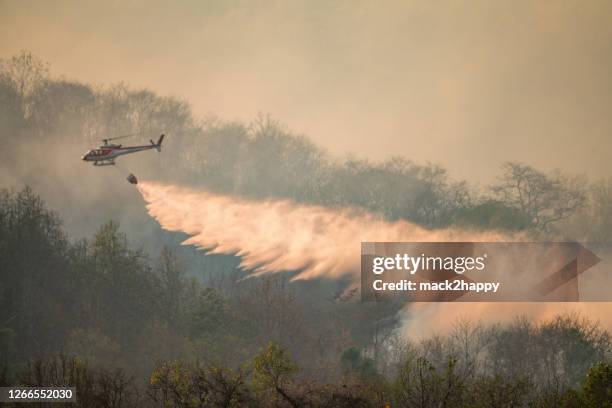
[362, 98]
[464, 84]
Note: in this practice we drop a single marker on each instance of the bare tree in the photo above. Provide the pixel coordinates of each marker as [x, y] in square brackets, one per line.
[600, 227]
[543, 198]
[25, 73]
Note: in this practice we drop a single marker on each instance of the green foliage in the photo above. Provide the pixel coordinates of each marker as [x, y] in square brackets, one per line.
[492, 214]
[273, 368]
[176, 384]
[497, 391]
[350, 358]
[108, 303]
[577, 343]
[210, 313]
[354, 363]
[109, 244]
[33, 267]
[93, 346]
[123, 312]
[597, 388]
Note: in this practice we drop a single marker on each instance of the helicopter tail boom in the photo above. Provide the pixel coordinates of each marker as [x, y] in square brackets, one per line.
[158, 144]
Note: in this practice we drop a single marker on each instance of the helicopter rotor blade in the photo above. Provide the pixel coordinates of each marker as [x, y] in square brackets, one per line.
[121, 136]
[108, 139]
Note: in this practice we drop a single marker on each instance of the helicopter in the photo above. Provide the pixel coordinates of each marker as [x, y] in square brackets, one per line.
[106, 154]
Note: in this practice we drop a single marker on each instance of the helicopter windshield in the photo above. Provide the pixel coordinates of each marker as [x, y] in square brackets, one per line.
[94, 152]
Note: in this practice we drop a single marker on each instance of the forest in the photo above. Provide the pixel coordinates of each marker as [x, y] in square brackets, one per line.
[94, 294]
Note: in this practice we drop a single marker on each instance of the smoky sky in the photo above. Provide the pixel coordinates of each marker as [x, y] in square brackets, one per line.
[464, 84]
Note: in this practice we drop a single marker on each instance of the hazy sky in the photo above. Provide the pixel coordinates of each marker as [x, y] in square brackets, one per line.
[465, 84]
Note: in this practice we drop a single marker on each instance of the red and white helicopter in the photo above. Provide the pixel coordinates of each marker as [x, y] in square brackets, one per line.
[106, 154]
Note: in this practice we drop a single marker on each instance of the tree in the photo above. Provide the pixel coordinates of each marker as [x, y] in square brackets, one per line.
[11, 117]
[121, 285]
[597, 388]
[354, 363]
[270, 304]
[95, 387]
[25, 73]
[543, 198]
[62, 106]
[172, 287]
[33, 267]
[498, 391]
[273, 370]
[492, 214]
[177, 384]
[599, 225]
[420, 383]
[210, 314]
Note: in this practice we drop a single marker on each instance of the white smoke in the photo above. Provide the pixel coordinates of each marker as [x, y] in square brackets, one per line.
[276, 235]
[421, 320]
[279, 235]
